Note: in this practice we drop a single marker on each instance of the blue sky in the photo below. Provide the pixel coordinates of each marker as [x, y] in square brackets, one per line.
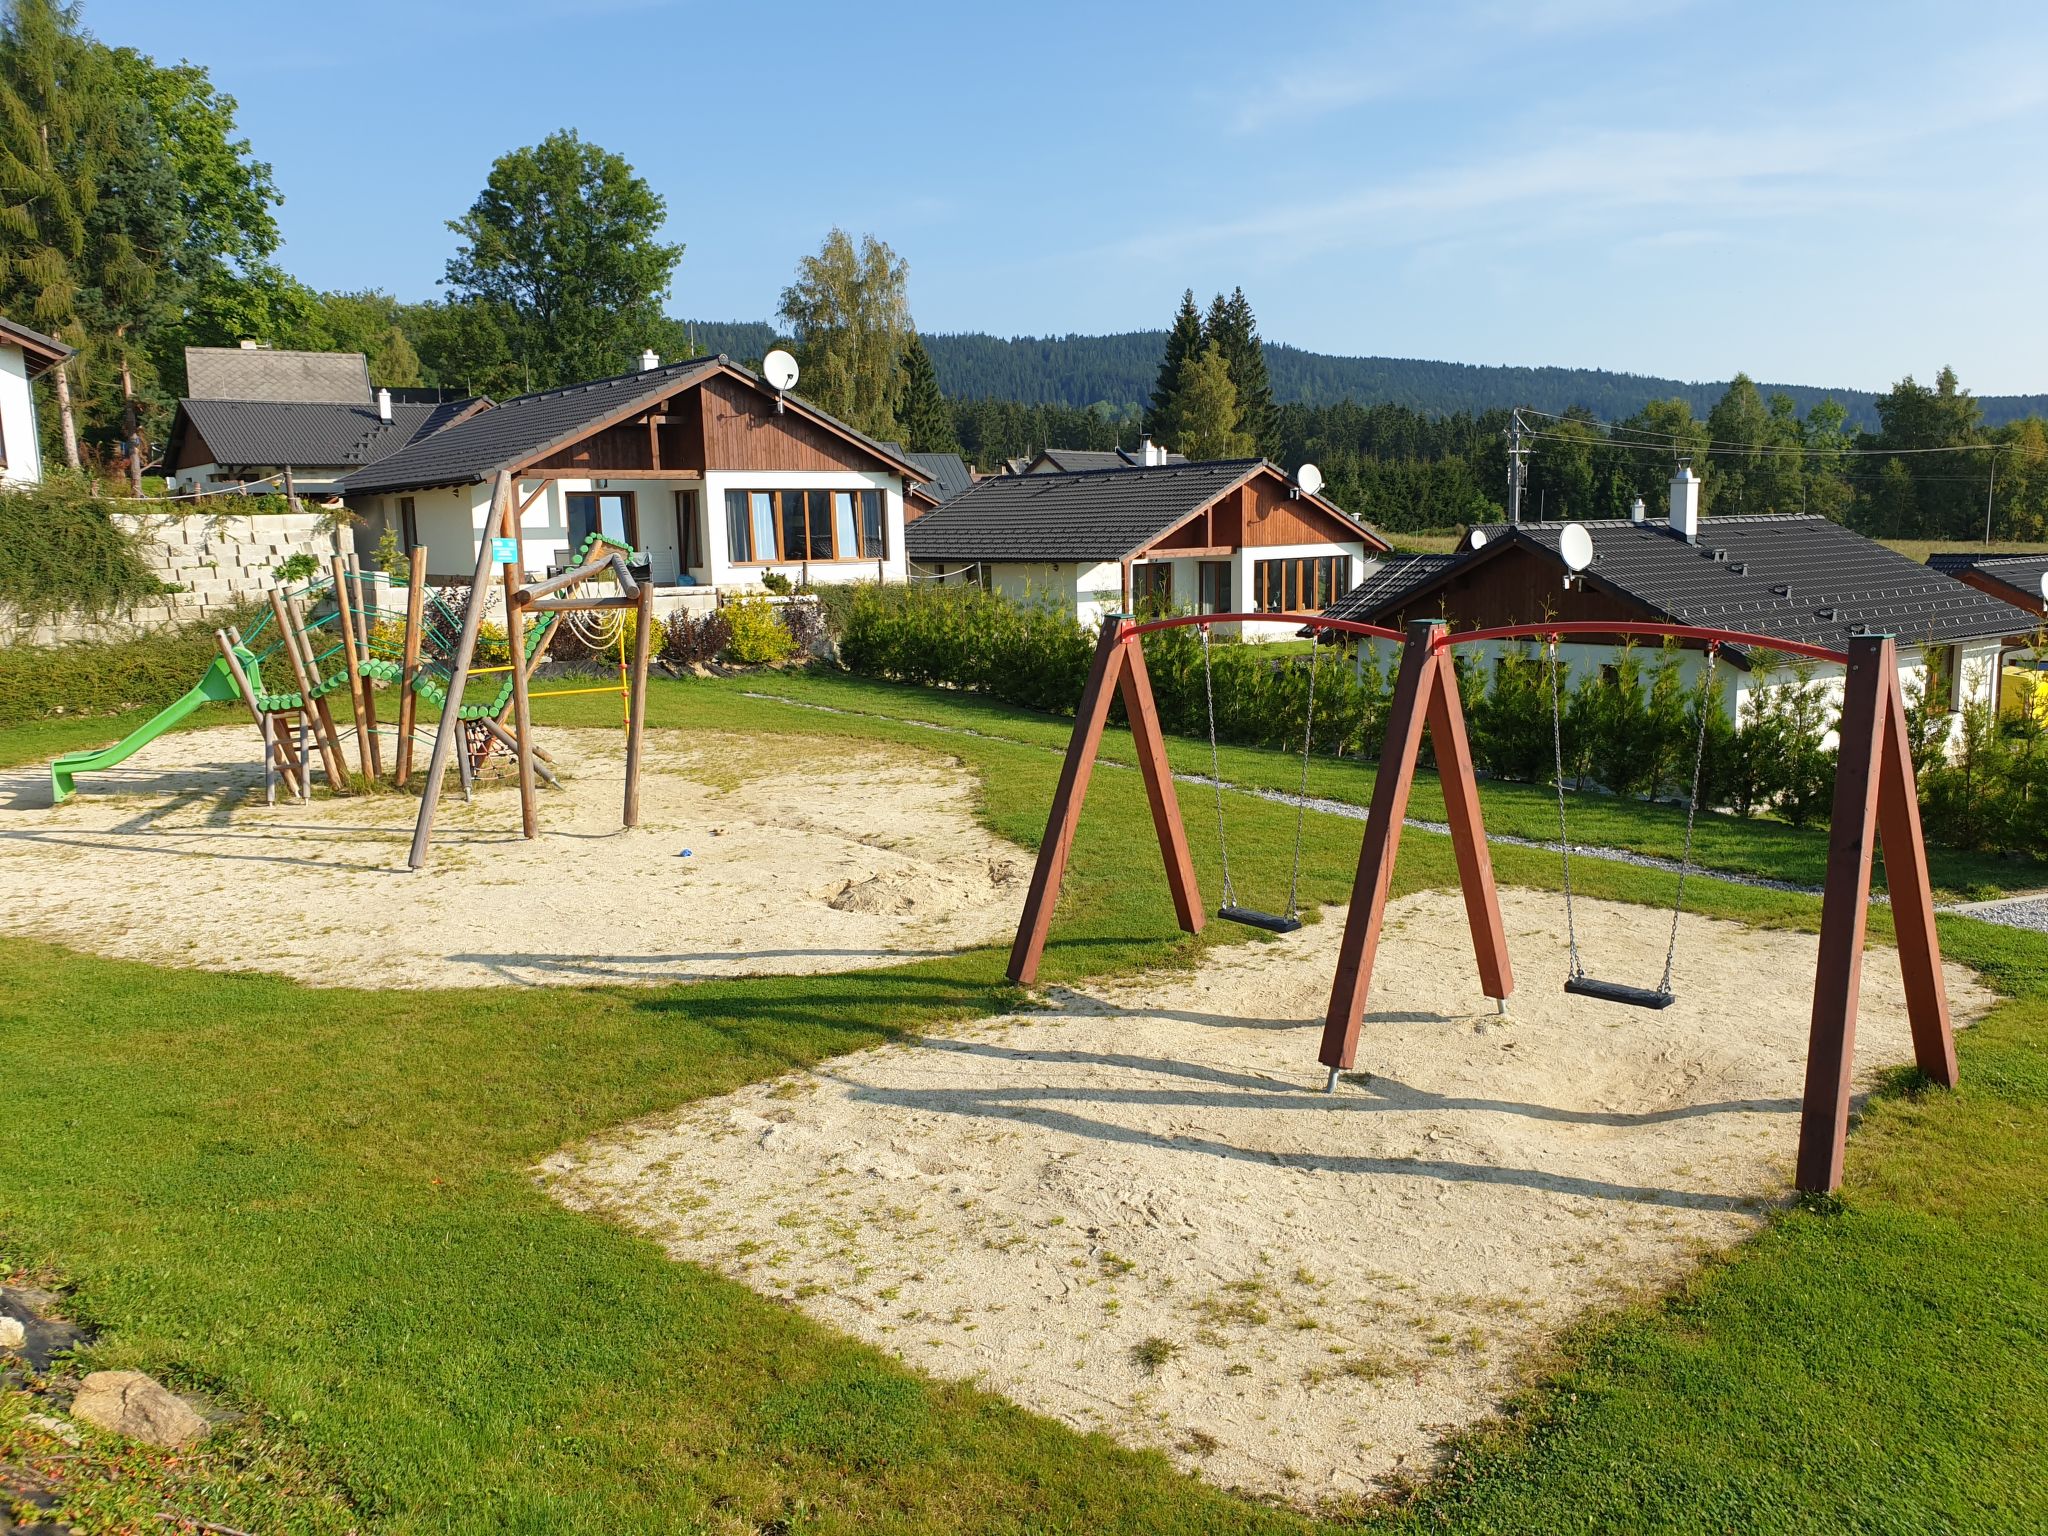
[1817, 193]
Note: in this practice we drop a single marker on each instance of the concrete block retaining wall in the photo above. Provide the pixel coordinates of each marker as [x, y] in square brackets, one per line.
[220, 563]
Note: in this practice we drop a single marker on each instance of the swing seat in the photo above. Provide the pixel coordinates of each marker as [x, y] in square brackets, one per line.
[1251, 917]
[1619, 992]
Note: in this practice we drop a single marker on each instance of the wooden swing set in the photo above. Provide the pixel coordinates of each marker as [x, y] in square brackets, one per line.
[1875, 797]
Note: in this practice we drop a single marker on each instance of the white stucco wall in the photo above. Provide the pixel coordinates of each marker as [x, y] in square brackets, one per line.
[18, 420]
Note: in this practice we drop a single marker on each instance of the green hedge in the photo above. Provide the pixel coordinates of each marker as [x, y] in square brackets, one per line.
[42, 682]
[62, 553]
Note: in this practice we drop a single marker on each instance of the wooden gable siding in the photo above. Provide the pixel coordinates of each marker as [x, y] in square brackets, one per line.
[667, 437]
[1517, 586]
[741, 430]
[1272, 517]
[192, 451]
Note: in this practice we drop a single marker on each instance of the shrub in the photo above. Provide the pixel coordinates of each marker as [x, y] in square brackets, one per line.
[776, 582]
[695, 642]
[294, 569]
[41, 682]
[757, 635]
[805, 622]
[61, 552]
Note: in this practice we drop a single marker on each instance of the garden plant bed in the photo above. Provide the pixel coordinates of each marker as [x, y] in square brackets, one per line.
[1135, 1212]
[805, 856]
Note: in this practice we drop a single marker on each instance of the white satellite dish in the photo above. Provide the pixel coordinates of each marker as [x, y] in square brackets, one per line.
[1476, 539]
[2044, 586]
[779, 369]
[1576, 545]
[1309, 478]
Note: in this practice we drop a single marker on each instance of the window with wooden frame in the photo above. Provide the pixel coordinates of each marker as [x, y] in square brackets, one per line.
[1212, 580]
[690, 529]
[408, 523]
[768, 527]
[1307, 584]
[1152, 586]
[611, 513]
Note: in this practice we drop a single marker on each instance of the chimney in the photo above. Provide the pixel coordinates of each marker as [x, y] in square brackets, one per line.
[649, 360]
[383, 405]
[1685, 503]
[1149, 452]
[1635, 510]
[250, 344]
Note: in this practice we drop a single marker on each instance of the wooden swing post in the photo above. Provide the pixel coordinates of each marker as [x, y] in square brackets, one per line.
[1425, 694]
[1875, 798]
[1119, 666]
[409, 673]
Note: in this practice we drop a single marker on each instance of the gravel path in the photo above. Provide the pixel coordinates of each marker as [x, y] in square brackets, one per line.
[2029, 911]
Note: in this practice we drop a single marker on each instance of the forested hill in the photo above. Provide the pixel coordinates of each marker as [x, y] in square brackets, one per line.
[1117, 371]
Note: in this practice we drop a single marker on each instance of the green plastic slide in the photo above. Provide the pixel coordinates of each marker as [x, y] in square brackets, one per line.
[217, 686]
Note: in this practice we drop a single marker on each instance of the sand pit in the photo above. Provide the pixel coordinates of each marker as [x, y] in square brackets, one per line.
[807, 855]
[1137, 1212]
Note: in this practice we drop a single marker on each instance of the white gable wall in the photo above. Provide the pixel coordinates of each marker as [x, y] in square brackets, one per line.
[18, 420]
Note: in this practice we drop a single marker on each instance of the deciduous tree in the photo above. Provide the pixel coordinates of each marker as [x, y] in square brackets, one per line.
[848, 313]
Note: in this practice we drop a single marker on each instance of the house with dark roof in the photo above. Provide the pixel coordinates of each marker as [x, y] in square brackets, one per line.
[700, 464]
[1066, 461]
[2021, 580]
[946, 475]
[1789, 577]
[25, 355]
[1228, 536]
[256, 416]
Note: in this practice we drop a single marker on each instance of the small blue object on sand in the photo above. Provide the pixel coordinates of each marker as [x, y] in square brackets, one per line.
[684, 854]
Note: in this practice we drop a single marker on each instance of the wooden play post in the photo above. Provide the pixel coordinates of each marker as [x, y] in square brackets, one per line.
[288, 641]
[409, 675]
[344, 622]
[1875, 797]
[515, 640]
[1119, 665]
[448, 732]
[257, 713]
[1425, 693]
[299, 632]
[636, 700]
[364, 608]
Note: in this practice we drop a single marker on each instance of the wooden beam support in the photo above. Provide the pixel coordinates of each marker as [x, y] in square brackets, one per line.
[515, 639]
[344, 623]
[1468, 832]
[1089, 719]
[409, 673]
[590, 472]
[448, 735]
[264, 724]
[1911, 888]
[636, 700]
[1419, 662]
[1838, 973]
[1150, 743]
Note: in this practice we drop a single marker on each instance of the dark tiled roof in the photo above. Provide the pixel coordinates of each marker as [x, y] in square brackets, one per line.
[946, 475]
[40, 351]
[2022, 573]
[1061, 461]
[1100, 514]
[530, 426]
[261, 373]
[1797, 578]
[307, 434]
[1385, 587]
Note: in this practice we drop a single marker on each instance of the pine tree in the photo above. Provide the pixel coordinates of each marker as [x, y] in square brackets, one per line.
[1235, 330]
[926, 419]
[1209, 410]
[1183, 346]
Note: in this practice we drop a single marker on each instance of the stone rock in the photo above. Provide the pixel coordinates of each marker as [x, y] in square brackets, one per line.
[13, 1334]
[132, 1404]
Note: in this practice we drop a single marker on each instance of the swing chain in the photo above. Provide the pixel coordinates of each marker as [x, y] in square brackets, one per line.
[1564, 841]
[1216, 771]
[1308, 742]
[1692, 807]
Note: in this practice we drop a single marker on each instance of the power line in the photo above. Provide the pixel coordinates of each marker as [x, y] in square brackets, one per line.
[1712, 446]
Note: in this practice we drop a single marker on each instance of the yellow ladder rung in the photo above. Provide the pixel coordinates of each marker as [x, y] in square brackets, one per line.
[563, 693]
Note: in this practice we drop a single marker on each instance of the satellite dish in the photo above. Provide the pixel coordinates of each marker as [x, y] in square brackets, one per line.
[779, 369]
[1309, 478]
[2044, 586]
[1476, 539]
[1576, 545]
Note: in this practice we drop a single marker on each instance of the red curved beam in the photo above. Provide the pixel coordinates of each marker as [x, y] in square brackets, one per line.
[1739, 637]
[1316, 620]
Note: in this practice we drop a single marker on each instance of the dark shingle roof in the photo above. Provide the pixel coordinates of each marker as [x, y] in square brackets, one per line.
[1797, 577]
[2022, 573]
[39, 350]
[529, 426]
[263, 373]
[1061, 461]
[1100, 514]
[946, 475]
[309, 435]
[1385, 587]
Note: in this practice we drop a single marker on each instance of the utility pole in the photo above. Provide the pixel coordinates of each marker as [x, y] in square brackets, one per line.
[1987, 495]
[1517, 469]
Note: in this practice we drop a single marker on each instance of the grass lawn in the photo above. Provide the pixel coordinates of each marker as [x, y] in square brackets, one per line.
[1917, 550]
[315, 1204]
